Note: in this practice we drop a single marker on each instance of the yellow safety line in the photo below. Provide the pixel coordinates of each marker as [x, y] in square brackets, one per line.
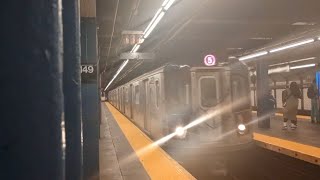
[293, 146]
[298, 116]
[157, 163]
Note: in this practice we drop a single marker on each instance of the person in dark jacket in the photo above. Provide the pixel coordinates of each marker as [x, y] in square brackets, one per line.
[314, 96]
[268, 109]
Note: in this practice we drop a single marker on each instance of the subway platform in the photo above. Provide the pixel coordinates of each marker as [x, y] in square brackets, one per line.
[302, 143]
[123, 155]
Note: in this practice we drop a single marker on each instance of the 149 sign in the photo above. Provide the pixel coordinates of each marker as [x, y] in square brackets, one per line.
[88, 73]
[87, 69]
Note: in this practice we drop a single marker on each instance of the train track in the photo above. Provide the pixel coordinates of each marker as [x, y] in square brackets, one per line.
[255, 164]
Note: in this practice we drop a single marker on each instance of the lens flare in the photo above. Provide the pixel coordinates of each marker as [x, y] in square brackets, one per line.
[180, 131]
[210, 114]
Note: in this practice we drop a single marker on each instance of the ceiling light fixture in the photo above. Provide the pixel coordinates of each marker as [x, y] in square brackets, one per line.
[135, 48]
[262, 53]
[261, 38]
[279, 69]
[307, 41]
[154, 24]
[153, 19]
[304, 24]
[294, 61]
[303, 66]
[119, 70]
[167, 4]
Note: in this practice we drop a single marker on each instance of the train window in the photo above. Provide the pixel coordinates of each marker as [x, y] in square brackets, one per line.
[157, 93]
[137, 94]
[127, 95]
[208, 91]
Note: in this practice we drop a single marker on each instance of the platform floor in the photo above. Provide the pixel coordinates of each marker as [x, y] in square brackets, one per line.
[123, 155]
[127, 153]
[302, 143]
[114, 148]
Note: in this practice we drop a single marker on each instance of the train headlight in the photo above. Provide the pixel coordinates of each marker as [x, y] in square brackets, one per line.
[180, 132]
[241, 129]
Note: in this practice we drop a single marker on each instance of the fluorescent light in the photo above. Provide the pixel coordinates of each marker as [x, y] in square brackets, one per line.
[156, 21]
[278, 64]
[261, 38]
[292, 45]
[294, 61]
[135, 48]
[304, 24]
[305, 59]
[119, 70]
[167, 4]
[279, 69]
[153, 19]
[164, 2]
[253, 55]
[303, 66]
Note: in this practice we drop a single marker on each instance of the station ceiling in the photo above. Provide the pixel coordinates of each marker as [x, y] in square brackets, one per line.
[193, 28]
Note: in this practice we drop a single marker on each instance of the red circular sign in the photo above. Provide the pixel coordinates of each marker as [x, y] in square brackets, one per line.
[209, 60]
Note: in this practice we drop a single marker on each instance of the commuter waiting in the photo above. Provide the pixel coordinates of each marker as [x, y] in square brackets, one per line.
[314, 96]
[290, 100]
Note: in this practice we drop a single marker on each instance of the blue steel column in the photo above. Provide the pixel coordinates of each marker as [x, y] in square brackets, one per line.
[31, 90]
[262, 90]
[90, 100]
[72, 93]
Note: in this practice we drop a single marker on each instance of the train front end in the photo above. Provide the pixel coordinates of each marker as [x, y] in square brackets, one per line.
[221, 110]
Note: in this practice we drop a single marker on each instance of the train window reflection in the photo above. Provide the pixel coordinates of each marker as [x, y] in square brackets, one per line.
[208, 91]
[137, 94]
[157, 93]
[240, 92]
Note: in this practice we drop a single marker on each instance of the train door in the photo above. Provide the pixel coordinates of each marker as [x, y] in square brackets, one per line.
[120, 99]
[154, 108]
[207, 94]
[146, 111]
[124, 90]
[131, 101]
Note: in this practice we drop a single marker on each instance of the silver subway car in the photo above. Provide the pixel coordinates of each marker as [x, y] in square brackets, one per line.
[204, 106]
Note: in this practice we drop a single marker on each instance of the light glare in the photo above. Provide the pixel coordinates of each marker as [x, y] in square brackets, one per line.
[180, 131]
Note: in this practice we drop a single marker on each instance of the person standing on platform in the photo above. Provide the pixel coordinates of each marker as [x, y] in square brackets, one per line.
[269, 104]
[314, 96]
[291, 103]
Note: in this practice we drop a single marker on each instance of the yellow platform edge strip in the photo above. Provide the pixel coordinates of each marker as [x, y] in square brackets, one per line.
[298, 116]
[157, 163]
[293, 146]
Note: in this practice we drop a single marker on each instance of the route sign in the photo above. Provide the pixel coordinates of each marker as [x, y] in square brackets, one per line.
[209, 60]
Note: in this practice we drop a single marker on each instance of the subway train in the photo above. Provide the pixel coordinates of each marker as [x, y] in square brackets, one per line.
[207, 107]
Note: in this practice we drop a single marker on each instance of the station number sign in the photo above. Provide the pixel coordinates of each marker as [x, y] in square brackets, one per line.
[88, 73]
